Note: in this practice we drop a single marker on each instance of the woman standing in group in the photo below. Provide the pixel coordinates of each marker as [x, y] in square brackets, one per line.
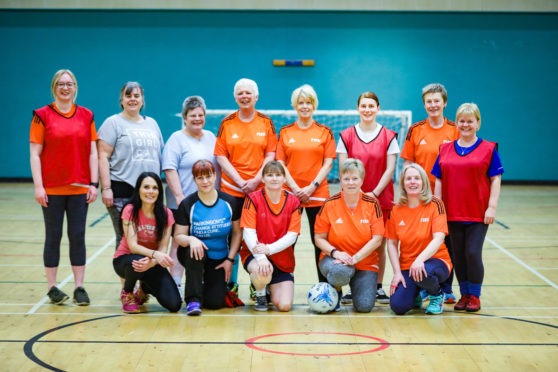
[415, 231]
[205, 224]
[376, 146]
[64, 166]
[349, 229]
[271, 223]
[129, 144]
[422, 146]
[468, 176]
[184, 148]
[245, 143]
[307, 149]
[142, 254]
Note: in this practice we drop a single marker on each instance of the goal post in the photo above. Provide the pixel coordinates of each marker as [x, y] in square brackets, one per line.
[397, 120]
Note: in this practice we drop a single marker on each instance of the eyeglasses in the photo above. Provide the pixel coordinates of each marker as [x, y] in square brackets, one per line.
[68, 85]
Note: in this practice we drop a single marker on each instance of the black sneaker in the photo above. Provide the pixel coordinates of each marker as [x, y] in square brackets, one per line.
[80, 297]
[347, 299]
[56, 296]
[260, 303]
[381, 296]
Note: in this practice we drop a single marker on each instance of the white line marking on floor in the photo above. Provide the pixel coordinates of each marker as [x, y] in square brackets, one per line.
[519, 261]
[71, 276]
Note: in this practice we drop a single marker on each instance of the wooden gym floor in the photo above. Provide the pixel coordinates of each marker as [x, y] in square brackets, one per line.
[516, 330]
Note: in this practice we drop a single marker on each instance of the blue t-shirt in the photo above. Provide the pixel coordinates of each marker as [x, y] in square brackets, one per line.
[212, 224]
[495, 168]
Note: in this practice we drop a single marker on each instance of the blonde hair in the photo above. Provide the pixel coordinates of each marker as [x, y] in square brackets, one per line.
[468, 109]
[57, 77]
[305, 92]
[426, 193]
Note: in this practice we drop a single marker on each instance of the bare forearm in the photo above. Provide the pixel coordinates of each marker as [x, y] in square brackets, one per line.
[387, 176]
[36, 170]
[369, 247]
[432, 247]
[173, 180]
[94, 163]
[289, 180]
[324, 170]
[393, 255]
[229, 170]
[495, 186]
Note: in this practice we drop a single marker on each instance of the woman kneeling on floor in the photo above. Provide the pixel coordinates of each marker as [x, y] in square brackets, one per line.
[418, 225]
[349, 228]
[208, 233]
[271, 223]
[142, 255]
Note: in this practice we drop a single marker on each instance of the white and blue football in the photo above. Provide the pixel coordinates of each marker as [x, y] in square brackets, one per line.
[322, 298]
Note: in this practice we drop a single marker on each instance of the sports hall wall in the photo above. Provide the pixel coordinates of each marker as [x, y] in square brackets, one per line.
[505, 62]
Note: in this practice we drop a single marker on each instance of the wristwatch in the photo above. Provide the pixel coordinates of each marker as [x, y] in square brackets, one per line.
[316, 183]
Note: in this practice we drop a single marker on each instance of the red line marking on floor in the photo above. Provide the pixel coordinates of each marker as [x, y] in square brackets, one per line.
[382, 344]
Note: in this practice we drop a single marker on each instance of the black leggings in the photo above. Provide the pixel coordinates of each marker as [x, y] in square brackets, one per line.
[311, 213]
[204, 284]
[467, 241]
[75, 207]
[446, 285]
[156, 281]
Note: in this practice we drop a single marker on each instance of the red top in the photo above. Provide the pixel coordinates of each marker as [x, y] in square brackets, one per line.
[66, 146]
[374, 157]
[271, 223]
[465, 183]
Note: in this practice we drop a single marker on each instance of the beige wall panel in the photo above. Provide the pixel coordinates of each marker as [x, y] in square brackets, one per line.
[356, 5]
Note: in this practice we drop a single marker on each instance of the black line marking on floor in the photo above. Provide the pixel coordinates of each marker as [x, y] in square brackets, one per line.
[287, 343]
[98, 220]
[28, 346]
[517, 319]
[503, 225]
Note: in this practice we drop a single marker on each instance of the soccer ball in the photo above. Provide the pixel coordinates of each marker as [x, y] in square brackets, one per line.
[322, 298]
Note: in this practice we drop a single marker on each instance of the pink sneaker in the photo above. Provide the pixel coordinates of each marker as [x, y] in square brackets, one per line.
[129, 304]
[140, 296]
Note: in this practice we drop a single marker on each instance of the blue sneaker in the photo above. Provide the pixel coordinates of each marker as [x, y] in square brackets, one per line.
[449, 298]
[424, 295]
[436, 305]
[418, 302]
[338, 306]
[193, 308]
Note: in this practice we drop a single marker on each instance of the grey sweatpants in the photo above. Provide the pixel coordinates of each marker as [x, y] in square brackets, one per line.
[362, 282]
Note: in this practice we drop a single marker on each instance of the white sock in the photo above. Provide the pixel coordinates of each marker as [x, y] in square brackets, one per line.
[260, 292]
[178, 281]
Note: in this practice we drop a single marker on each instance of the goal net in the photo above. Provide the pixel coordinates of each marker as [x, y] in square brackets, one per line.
[337, 120]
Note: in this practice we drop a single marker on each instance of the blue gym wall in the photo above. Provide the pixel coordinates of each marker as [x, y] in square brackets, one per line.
[506, 63]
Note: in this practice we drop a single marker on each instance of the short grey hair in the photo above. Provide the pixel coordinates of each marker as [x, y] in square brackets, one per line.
[435, 88]
[249, 83]
[191, 103]
[352, 165]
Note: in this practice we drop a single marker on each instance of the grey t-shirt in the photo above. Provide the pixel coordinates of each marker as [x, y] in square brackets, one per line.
[180, 153]
[137, 147]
